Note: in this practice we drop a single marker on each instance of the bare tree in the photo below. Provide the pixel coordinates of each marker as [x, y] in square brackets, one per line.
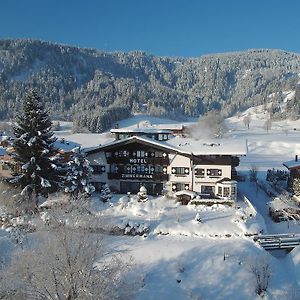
[253, 173]
[211, 125]
[261, 270]
[67, 263]
[268, 125]
[247, 120]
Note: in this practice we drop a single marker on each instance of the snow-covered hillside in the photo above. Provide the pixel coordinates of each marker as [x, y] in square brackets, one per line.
[181, 258]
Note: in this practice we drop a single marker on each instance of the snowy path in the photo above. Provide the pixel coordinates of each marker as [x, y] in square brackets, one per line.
[259, 200]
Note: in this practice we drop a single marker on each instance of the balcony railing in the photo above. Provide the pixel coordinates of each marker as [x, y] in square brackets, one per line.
[134, 160]
[138, 176]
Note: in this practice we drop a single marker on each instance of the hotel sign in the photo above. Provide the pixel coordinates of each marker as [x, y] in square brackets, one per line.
[137, 161]
[137, 176]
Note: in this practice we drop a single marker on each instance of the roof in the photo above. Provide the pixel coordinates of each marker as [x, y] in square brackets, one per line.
[129, 140]
[148, 130]
[292, 164]
[209, 147]
[278, 204]
[65, 145]
[186, 192]
[185, 146]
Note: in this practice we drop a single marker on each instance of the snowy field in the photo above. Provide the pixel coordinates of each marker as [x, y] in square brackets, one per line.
[180, 258]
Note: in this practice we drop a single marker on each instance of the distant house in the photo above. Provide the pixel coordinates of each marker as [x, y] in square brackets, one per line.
[5, 160]
[158, 161]
[160, 132]
[5, 140]
[294, 178]
[65, 147]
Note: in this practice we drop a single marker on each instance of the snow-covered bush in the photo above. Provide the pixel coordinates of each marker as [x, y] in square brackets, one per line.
[133, 228]
[142, 194]
[261, 269]
[13, 203]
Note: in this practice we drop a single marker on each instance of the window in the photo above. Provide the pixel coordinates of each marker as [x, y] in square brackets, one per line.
[226, 191]
[121, 153]
[180, 186]
[200, 172]
[214, 172]
[140, 153]
[207, 189]
[158, 169]
[98, 169]
[181, 171]
[233, 190]
[220, 190]
[158, 154]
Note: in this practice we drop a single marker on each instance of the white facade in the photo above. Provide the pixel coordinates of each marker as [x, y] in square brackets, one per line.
[127, 164]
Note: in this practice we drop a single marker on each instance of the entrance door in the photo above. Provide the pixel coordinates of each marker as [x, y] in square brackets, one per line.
[129, 186]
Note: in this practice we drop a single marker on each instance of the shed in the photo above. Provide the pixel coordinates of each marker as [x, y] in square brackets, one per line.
[185, 196]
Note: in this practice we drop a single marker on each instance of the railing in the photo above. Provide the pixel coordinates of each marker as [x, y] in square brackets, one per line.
[134, 160]
[278, 241]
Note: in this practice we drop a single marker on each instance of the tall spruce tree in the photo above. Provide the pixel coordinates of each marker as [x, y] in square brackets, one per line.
[36, 171]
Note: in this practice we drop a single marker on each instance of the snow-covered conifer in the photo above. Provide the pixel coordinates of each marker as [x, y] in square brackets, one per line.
[78, 172]
[105, 193]
[34, 168]
[142, 194]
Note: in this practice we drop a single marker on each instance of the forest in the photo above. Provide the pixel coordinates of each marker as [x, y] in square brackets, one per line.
[94, 88]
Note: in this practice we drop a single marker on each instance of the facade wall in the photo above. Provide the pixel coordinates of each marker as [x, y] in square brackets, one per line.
[178, 173]
[99, 177]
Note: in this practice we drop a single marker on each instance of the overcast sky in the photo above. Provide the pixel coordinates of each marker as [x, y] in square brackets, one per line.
[160, 27]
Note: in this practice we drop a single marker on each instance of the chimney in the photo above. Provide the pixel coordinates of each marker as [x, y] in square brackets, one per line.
[296, 157]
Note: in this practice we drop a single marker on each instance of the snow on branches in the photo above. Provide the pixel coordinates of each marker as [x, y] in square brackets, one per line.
[33, 148]
[78, 172]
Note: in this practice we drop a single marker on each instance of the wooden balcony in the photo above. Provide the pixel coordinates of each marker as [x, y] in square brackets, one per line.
[134, 160]
[138, 176]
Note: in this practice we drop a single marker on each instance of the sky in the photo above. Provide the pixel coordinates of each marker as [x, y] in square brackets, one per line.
[188, 28]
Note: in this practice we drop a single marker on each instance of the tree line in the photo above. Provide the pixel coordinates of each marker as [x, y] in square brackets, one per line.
[88, 86]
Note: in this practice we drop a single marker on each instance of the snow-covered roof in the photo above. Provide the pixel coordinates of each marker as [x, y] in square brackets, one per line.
[169, 126]
[188, 146]
[292, 164]
[65, 145]
[209, 147]
[128, 140]
[186, 192]
[278, 204]
[147, 127]
[227, 181]
[148, 130]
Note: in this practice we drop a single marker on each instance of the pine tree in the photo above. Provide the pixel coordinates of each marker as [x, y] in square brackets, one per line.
[35, 169]
[105, 193]
[78, 172]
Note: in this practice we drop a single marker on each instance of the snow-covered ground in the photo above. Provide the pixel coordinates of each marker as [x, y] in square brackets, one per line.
[180, 258]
